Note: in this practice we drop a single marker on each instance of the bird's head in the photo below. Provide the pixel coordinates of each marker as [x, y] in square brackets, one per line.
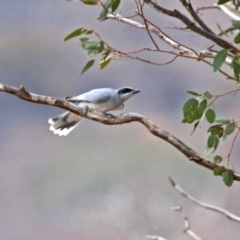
[126, 92]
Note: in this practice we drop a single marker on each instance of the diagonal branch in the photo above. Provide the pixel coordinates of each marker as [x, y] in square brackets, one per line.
[189, 7]
[176, 14]
[204, 205]
[193, 156]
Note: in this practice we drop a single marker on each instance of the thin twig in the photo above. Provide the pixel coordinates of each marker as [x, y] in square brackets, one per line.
[151, 237]
[186, 223]
[204, 205]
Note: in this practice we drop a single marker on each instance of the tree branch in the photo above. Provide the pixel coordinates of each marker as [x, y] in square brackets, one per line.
[176, 14]
[188, 6]
[22, 93]
[204, 205]
[181, 50]
[151, 237]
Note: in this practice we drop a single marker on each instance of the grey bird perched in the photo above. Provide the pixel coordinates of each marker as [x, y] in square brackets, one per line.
[99, 100]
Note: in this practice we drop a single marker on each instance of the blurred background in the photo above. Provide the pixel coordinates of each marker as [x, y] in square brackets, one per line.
[104, 182]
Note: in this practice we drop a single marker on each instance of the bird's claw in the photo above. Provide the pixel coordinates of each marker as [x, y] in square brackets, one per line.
[109, 115]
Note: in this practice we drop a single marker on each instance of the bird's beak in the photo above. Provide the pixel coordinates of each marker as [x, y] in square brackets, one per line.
[136, 91]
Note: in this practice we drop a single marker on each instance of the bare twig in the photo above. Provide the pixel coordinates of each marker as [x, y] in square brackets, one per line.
[227, 10]
[176, 14]
[147, 28]
[193, 156]
[186, 223]
[180, 49]
[204, 205]
[226, 31]
[151, 237]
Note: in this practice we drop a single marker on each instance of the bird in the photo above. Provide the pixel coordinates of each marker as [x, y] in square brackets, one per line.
[101, 100]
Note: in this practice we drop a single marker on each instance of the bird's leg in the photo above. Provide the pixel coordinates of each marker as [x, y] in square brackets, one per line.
[86, 110]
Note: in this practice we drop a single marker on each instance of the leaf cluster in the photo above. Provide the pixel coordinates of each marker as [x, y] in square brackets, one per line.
[94, 48]
[198, 108]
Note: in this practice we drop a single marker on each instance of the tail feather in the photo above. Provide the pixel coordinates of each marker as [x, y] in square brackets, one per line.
[64, 123]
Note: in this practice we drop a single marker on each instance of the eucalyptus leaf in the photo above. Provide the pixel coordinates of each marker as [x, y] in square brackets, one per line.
[219, 59]
[217, 159]
[77, 33]
[87, 66]
[236, 67]
[220, 2]
[115, 5]
[219, 170]
[237, 38]
[104, 62]
[90, 2]
[228, 178]
[230, 128]
[210, 115]
[223, 120]
[236, 24]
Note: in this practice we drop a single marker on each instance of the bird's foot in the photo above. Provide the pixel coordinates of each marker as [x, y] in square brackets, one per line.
[109, 115]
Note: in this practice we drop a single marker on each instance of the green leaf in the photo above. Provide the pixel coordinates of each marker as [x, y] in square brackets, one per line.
[220, 2]
[89, 44]
[236, 24]
[208, 151]
[87, 66]
[208, 95]
[224, 138]
[115, 5]
[212, 141]
[190, 105]
[195, 126]
[104, 12]
[219, 59]
[101, 46]
[216, 130]
[90, 2]
[194, 93]
[203, 104]
[228, 178]
[201, 108]
[237, 38]
[236, 67]
[93, 52]
[230, 128]
[217, 159]
[210, 115]
[218, 170]
[105, 61]
[191, 112]
[222, 120]
[78, 32]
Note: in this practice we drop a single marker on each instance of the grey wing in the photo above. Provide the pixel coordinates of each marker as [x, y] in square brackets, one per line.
[95, 96]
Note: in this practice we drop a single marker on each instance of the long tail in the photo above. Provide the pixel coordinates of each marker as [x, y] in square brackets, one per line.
[64, 123]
